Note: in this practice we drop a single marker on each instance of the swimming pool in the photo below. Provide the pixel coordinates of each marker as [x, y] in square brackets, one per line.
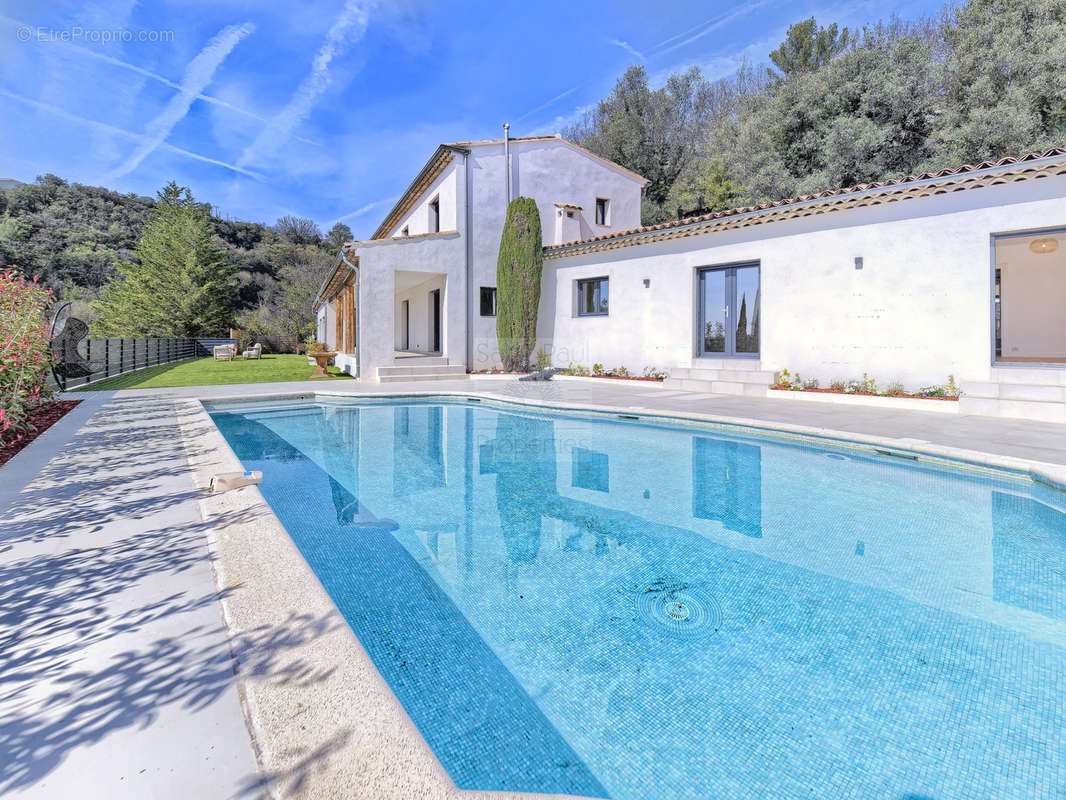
[603, 607]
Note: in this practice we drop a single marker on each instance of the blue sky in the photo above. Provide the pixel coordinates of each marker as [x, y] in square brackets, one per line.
[327, 108]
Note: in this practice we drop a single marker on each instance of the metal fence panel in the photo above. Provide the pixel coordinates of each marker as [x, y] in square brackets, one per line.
[110, 357]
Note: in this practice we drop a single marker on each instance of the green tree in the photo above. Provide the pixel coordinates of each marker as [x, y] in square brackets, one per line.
[808, 47]
[180, 283]
[865, 116]
[518, 271]
[655, 133]
[285, 306]
[339, 234]
[299, 230]
[707, 183]
[1004, 81]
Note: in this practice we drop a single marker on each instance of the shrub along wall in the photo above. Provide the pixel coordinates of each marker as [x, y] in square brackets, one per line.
[25, 356]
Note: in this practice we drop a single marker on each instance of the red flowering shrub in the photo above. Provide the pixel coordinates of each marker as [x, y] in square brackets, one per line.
[25, 357]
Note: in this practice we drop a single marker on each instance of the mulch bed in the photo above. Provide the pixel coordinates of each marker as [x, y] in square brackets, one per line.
[869, 394]
[42, 418]
[564, 375]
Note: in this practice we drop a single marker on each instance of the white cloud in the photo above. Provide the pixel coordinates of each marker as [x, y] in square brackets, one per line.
[368, 208]
[348, 28]
[562, 121]
[548, 103]
[103, 127]
[198, 75]
[155, 76]
[627, 47]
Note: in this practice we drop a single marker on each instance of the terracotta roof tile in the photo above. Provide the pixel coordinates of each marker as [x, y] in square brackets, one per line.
[591, 242]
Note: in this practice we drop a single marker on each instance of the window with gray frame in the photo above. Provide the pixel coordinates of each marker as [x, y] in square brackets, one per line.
[434, 215]
[592, 297]
[488, 301]
[602, 204]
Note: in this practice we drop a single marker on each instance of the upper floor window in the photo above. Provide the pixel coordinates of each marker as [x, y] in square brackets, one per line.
[434, 215]
[603, 206]
[406, 231]
[592, 297]
[488, 301]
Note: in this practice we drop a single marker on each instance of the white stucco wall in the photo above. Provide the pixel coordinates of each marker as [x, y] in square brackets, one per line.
[920, 308]
[550, 172]
[378, 264]
[446, 189]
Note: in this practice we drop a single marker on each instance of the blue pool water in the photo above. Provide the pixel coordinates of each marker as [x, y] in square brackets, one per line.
[630, 610]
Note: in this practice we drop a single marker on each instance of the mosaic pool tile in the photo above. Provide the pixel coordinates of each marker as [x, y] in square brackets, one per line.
[609, 608]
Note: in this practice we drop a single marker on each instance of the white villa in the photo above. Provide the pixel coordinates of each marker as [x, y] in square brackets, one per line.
[960, 272]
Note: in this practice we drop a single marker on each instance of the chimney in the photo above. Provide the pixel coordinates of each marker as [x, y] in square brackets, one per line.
[567, 223]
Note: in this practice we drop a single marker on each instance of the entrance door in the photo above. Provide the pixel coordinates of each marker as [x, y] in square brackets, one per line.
[729, 311]
[434, 318]
[405, 324]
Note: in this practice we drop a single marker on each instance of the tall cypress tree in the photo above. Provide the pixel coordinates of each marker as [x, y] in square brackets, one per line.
[518, 271]
[181, 283]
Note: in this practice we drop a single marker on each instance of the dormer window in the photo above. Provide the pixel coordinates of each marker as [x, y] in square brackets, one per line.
[434, 215]
[603, 207]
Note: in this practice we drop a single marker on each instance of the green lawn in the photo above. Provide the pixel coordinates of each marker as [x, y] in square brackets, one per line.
[208, 372]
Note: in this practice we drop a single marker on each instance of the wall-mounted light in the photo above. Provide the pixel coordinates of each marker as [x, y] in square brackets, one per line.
[1044, 246]
[858, 262]
[647, 282]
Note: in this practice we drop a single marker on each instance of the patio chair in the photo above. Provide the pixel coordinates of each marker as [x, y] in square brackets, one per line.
[256, 351]
[224, 352]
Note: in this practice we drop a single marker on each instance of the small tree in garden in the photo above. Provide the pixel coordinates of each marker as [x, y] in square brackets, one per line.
[24, 352]
[518, 271]
[181, 283]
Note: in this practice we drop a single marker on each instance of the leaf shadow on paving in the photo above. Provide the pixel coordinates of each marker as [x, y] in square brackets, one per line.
[96, 632]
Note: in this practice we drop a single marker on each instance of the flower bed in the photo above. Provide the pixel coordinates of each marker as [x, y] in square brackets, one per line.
[41, 418]
[615, 377]
[572, 375]
[867, 394]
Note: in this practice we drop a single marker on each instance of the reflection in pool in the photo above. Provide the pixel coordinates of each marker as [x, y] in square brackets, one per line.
[604, 608]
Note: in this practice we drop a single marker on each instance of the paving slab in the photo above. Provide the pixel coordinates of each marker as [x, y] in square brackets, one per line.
[116, 676]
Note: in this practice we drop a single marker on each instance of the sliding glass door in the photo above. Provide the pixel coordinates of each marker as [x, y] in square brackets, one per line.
[729, 310]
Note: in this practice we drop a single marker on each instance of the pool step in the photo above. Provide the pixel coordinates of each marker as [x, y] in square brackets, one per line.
[1037, 394]
[722, 376]
[422, 372]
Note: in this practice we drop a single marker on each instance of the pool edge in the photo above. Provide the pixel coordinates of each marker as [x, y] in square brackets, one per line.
[352, 730]
[1046, 473]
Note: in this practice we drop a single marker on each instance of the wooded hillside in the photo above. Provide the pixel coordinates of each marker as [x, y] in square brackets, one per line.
[73, 237]
[984, 79]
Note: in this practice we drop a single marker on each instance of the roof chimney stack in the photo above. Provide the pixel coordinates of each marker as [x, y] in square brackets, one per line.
[507, 158]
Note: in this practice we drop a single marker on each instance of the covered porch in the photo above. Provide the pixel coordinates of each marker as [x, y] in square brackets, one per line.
[387, 317]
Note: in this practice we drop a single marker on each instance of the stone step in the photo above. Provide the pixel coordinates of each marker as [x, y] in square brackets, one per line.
[424, 376]
[746, 364]
[1040, 411]
[416, 361]
[716, 386]
[421, 369]
[1037, 392]
[735, 375]
[1036, 376]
